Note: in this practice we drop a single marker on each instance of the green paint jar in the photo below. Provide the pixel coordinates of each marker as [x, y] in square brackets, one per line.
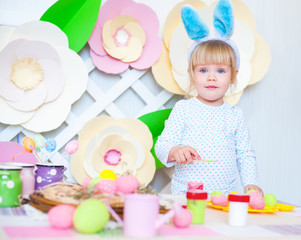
[10, 186]
[196, 203]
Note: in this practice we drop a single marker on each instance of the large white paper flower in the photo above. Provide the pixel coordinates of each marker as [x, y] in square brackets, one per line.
[40, 77]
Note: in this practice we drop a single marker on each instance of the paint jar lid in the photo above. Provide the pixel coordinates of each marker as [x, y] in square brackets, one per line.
[196, 195]
[239, 198]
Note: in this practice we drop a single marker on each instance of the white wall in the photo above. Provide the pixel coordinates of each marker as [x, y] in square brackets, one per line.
[272, 106]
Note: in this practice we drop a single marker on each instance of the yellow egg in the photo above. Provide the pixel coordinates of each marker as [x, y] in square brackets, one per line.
[234, 192]
[108, 174]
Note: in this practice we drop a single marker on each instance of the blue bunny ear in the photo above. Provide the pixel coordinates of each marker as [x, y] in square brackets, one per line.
[223, 18]
[195, 27]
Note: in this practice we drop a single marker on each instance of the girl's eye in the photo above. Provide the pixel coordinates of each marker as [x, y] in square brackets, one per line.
[220, 70]
[203, 70]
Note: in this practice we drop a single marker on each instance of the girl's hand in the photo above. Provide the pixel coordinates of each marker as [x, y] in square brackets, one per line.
[183, 154]
[253, 187]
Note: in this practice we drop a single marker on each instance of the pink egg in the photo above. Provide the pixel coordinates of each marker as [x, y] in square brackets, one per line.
[182, 219]
[86, 182]
[127, 184]
[219, 200]
[256, 201]
[71, 147]
[61, 216]
[106, 186]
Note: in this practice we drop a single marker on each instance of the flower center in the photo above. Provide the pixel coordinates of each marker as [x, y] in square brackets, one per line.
[26, 73]
[112, 157]
[121, 37]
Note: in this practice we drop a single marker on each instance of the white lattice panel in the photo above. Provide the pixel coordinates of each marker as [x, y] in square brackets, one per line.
[130, 94]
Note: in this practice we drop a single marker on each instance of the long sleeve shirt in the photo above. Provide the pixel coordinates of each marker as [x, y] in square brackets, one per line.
[216, 133]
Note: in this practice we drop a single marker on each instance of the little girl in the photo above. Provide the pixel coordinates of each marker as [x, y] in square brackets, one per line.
[206, 128]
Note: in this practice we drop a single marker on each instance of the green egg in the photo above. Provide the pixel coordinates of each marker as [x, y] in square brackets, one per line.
[270, 200]
[94, 181]
[91, 216]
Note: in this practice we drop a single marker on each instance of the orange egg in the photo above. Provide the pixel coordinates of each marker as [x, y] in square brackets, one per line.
[29, 144]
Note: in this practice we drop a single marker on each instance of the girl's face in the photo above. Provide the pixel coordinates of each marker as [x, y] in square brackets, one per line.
[212, 82]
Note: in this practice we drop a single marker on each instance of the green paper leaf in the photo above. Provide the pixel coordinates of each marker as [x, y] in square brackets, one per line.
[155, 122]
[76, 18]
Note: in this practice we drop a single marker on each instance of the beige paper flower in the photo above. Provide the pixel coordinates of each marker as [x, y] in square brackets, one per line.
[122, 146]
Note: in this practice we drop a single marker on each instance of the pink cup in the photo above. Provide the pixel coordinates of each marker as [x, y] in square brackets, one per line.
[141, 215]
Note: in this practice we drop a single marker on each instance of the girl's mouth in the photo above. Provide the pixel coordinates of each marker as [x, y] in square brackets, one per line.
[211, 87]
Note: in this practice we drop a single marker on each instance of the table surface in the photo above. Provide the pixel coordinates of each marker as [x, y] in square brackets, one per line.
[278, 225]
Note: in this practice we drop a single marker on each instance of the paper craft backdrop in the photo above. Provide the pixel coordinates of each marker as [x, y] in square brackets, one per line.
[272, 107]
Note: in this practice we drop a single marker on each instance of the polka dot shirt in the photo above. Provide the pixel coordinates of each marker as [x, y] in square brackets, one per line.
[217, 133]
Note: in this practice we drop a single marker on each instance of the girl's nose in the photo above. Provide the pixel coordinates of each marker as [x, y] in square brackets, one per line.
[211, 77]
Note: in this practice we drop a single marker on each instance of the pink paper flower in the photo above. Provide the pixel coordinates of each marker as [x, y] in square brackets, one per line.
[125, 34]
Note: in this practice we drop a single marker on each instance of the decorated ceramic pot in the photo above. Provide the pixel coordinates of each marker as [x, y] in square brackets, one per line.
[10, 186]
[27, 177]
[46, 174]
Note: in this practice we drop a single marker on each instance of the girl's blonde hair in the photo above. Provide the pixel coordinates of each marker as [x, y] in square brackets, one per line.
[212, 52]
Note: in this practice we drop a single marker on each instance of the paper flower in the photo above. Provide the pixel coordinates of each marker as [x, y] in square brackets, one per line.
[125, 34]
[170, 71]
[40, 76]
[122, 146]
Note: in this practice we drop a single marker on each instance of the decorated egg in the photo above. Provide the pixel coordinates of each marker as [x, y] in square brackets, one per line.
[71, 147]
[29, 144]
[256, 200]
[106, 186]
[50, 145]
[220, 200]
[39, 141]
[127, 184]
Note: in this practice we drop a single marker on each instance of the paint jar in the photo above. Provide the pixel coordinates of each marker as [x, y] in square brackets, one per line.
[10, 186]
[196, 203]
[46, 174]
[238, 209]
[27, 177]
[195, 185]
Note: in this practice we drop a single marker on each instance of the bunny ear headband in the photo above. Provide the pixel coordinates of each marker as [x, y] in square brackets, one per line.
[223, 22]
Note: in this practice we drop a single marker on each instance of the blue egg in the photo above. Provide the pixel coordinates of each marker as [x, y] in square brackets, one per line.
[50, 144]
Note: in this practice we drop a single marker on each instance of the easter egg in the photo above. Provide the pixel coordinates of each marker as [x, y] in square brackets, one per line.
[270, 200]
[127, 184]
[219, 200]
[50, 145]
[256, 200]
[91, 216]
[182, 219]
[29, 144]
[106, 186]
[94, 181]
[108, 174]
[86, 182]
[71, 147]
[39, 141]
[61, 216]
